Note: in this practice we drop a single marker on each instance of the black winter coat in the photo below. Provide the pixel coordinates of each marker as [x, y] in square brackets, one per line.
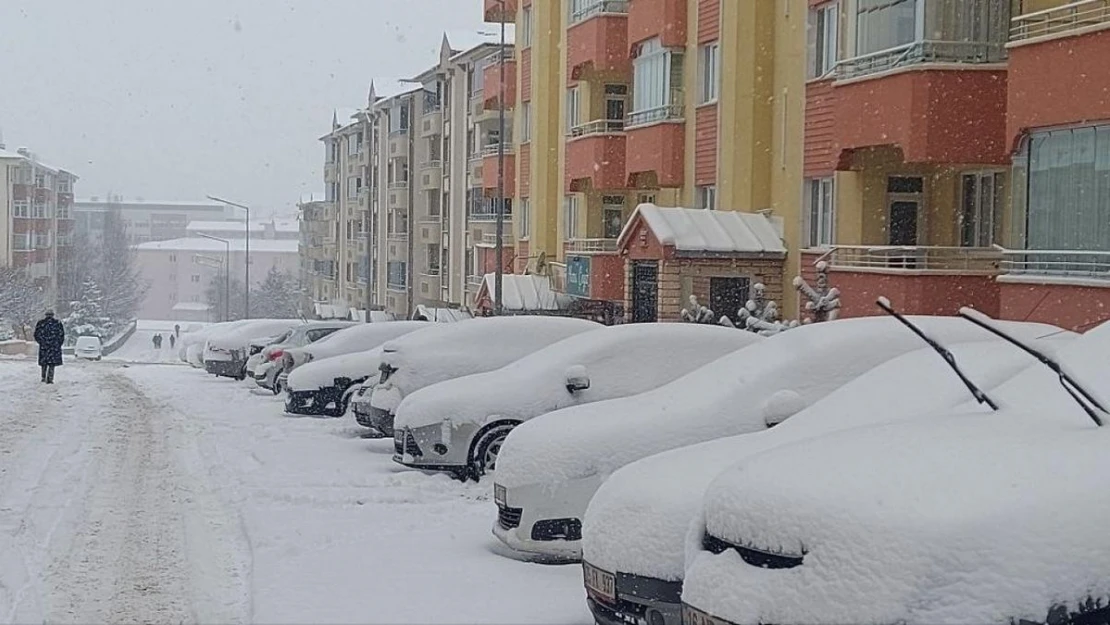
[50, 334]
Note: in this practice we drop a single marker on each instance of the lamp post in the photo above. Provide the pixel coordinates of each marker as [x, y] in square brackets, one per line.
[499, 247]
[227, 272]
[247, 259]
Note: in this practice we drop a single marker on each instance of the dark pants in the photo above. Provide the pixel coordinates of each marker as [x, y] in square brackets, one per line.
[48, 374]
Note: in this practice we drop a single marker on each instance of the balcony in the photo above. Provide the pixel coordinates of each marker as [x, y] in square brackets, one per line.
[499, 10]
[475, 106]
[431, 123]
[1069, 19]
[489, 239]
[656, 147]
[665, 19]
[490, 168]
[398, 198]
[1068, 288]
[431, 175]
[399, 143]
[921, 52]
[597, 39]
[491, 89]
[596, 154]
[590, 246]
[397, 237]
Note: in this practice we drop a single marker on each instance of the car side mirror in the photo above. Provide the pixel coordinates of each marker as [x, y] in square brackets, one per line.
[780, 406]
[577, 379]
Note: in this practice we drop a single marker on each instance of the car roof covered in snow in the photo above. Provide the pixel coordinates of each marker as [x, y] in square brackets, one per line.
[982, 517]
[914, 385]
[240, 335]
[361, 337]
[323, 373]
[448, 350]
[620, 361]
[735, 394]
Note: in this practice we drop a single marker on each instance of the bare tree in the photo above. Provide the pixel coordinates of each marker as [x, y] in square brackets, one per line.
[117, 272]
[22, 302]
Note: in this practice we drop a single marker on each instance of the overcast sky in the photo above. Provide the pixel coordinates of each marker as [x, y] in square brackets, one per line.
[166, 99]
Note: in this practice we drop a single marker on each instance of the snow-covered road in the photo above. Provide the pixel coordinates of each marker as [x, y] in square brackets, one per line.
[159, 494]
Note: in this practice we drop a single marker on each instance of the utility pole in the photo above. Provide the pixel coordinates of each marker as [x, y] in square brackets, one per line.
[499, 246]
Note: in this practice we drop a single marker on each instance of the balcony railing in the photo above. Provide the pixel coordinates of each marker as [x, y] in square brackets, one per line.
[667, 112]
[475, 281]
[590, 246]
[492, 149]
[431, 165]
[599, 7]
[395, 286]
[598, 127]
[490, 238]
[399, 184]
[431, 272]
[1062, 19]
[920, 52]
[397, 236]
[1087, 265]
[918, 259]
[487, 215]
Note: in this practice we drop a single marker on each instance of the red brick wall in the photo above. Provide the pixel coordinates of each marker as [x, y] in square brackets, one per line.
[705, 145]
[820, 130]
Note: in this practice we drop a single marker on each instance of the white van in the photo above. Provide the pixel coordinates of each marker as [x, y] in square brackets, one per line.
[88, 347]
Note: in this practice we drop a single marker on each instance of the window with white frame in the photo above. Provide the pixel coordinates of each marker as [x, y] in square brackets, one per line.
[656, 83]
[573, 108]
[707, 197]
[354, 185]
[524, 216]
[709, 72]
[821, 40]
[21, 208]
[885, 24]
[570, 217]
[526, 26]
[820, 212]
[612, 215]
[525, 122]
[354, 144]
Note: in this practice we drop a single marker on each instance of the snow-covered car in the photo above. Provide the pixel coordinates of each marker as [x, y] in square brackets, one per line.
[226, 353]
[459, 425]
[256, 346]
[88, 348]
[358, 338]
[626, 581]
[550, 467]
[190, 348]
[266, 373]
[967, 517]
[452, 350]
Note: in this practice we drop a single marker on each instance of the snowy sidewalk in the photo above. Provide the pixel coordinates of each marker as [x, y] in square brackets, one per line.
[159, 494]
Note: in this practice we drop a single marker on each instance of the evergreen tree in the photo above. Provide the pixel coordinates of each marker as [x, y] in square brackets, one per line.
[276, 297]
[87, 316]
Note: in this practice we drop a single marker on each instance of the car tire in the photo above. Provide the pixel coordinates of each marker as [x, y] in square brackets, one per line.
[276, 387]
[486, 450]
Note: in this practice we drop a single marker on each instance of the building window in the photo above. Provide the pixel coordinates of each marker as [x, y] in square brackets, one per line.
[573, 108]
[525, 121]
[656, 84]
[194, 278]
[1062, 190]
[21, 208]
[354, 144]
[821, 40]
[707, 197]
[709, 72]
[399, 118]
[885, 24]
[525, 217]
[354, 185]
[616, 107]
[526, 26]
[820, 212]
[570, 217]
[612, 215]
[396, 274]
[433, 258]
[173, 258]
[981, 197]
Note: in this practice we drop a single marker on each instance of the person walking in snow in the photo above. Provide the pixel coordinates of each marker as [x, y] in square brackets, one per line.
[157, 341]
[49, 334]
[176, 332]
[172, 341]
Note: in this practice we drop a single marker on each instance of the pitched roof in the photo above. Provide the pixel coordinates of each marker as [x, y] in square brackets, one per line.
[524, 293]
[699, 230]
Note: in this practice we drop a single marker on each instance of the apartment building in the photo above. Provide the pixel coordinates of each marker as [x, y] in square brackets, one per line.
[957, 152]
[145, 220]
[318, 252]
[695, 104]
[346, 166]
[36, 217]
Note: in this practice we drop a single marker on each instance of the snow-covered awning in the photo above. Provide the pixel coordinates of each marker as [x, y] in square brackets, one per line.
[442, 315]
[328, 311]
[694, 230]
[524, 293]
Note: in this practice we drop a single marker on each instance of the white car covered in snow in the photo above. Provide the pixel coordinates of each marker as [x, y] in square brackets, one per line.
[969, 516]
[190, 347]
[452, 350]
[458, 425]
[627, 580]
[331, 370]
[270, 366]
[226, 353]
[550, 467]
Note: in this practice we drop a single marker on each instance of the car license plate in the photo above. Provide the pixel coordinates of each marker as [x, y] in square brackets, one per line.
[694, 616]
[499, 494]
[599, 582]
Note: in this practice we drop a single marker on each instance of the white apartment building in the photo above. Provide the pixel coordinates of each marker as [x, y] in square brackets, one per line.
[146, 220]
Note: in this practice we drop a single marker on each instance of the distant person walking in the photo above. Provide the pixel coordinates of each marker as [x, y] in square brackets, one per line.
[176, 332]
[172, 341]
[157, 341]
[49, 334]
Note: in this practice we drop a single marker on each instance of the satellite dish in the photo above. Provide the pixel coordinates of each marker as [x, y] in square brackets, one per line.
[541, 264]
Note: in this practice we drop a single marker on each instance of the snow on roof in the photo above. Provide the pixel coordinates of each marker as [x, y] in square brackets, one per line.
[359, 338]
[144, 202]
[910, 386]
[620, 361]
[464, 41]
[322, 373]
[288, 246]
[307, 198]
[448, 350]
[526, 293]
[698, 230]
[191, 306]
[280, 225]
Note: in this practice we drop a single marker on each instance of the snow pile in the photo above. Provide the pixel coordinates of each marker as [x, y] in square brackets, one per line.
[349, 340]
[636, 523]
[960, 518]
[450, 350]
[323, 373]
[617, 361]
[726, 397]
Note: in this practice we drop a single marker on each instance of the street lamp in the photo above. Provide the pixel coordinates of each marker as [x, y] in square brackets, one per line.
[499, 246]
[247, 261]
[227, 272]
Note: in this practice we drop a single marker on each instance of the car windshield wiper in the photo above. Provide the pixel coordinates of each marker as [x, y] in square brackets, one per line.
[1077, 392]
[946, 355]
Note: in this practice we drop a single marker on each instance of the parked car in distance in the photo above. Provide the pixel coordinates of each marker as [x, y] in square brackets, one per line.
[226, 353]
[627, 581]
[970, 516]
[452, 350]
[266, 373]
[459, 425]
[190, 348]
[88, 348]
[550, 467]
